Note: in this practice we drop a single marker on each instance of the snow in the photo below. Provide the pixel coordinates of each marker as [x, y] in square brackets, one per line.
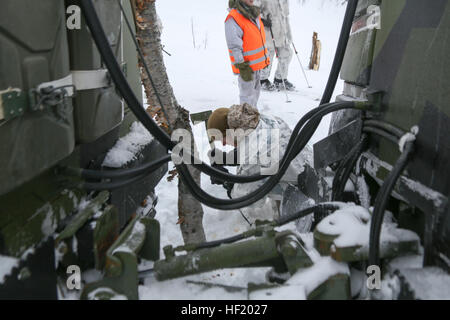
[127, 148]
[202, 80]
[348, 224]
[318, 273]
[7, 264]
[427, 193]
[431, 283]
[133, 240]
[351, 226]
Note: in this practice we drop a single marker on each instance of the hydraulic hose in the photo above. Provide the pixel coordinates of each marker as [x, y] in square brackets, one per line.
[277, 223]
[96, 186]
[126, 92]
[340, 50]
[299, 143]
[98, 34]
[91, 186]
[385, 126]
[343, 172]
[380, 132]
[381, 202]
[119, 173]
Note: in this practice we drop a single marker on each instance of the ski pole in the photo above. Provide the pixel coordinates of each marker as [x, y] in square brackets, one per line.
[276, 52]
[301, 66]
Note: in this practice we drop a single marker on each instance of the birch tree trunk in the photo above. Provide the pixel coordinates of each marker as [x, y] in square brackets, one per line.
[148, 32]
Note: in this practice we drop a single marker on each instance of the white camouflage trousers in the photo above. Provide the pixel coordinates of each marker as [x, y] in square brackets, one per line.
[284, 59]
[249, 91]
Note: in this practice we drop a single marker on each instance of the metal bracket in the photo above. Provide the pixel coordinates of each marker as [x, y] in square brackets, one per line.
[15, 102]
[82, 80]
[199, 117]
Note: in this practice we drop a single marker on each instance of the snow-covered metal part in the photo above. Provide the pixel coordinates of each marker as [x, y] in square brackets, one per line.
[140, 238]
[345, 236]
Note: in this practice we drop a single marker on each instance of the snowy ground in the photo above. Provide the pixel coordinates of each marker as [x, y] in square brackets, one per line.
[202, 80]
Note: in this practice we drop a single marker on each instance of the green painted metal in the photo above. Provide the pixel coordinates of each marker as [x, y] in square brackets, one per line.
[358, 58]
[400, 242]
[34, 211]
[283, 251]
[151, 248]
[133, 71]
[200, 116]
[125, 284]
[33, 50]
[293, 252]
[83, 216]
[336, 287]
[99, 111]
[106, 232]
[121, 260]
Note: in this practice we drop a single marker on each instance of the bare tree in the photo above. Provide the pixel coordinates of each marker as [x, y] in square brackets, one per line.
[173, 116]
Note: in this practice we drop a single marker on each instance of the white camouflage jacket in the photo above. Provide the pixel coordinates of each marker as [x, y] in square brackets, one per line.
[279, 14]
[264, 149]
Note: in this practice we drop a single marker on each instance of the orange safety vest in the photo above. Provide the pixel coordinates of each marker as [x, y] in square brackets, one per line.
[254, 42]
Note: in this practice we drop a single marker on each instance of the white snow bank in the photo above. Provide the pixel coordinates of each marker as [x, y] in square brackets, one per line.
[127, 148]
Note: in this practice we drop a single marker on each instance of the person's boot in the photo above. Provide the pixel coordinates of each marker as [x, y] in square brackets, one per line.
[266, 85]
[280, 86]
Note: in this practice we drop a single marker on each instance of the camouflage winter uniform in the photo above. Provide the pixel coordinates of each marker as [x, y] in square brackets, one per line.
[278, 12]
[262, 153]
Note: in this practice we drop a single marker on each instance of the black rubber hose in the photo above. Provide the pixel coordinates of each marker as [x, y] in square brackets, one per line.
[344, 171]
[270, 183]
[385, 126]
[216, 243]
[289, 149]
[119, 173]
[381, 133]
[278, 222]
[340, 50]
[381, 202]
[98, 34]
[126, 92]
[123, 87]
[225, 204]
[98, 186]
[303, 213]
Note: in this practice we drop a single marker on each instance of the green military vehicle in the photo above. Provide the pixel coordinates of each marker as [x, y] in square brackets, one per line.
[58, 110]
[397, 58]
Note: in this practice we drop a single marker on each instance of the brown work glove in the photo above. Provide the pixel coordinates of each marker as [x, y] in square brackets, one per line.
[245, 70]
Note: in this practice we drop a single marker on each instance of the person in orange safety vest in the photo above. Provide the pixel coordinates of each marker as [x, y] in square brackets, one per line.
[246, 40]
